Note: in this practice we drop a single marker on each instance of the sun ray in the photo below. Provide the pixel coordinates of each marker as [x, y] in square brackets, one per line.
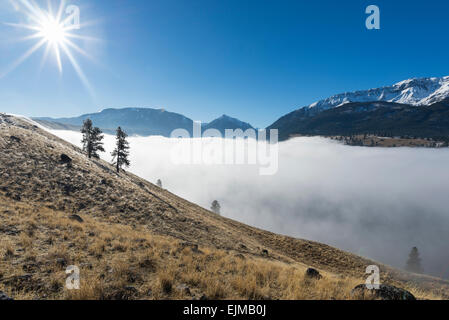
[58, 57]
[30, 37]
[77, 48]
[35, 12]
[28, 5]
[78, 69]
[20, 25]
[44, 57]
[60, 10]
[52, 27]
[25, 56]
[50, 7]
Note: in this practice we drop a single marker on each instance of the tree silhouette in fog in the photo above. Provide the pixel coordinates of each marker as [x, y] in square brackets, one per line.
[414, 261]
[215, 207]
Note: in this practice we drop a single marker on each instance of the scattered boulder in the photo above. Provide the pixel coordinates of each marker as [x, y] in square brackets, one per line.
[4, 297]
[313, 274]
[15, 139]
[196, 250]
[76, 217]
[385, 292]
[65, 159]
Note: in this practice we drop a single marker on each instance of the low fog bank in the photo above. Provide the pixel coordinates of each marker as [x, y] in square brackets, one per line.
[374, 202]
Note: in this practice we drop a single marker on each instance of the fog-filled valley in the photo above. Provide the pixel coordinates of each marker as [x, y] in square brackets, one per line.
[374, 202]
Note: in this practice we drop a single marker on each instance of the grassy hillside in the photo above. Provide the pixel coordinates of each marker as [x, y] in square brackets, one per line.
[138, 241]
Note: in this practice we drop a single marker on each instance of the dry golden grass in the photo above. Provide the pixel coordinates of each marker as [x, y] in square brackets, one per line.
[121, 262]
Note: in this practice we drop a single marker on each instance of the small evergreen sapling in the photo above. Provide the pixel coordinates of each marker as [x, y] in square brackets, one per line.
[215, 207]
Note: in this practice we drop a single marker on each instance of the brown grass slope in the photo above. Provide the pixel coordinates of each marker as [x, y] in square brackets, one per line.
[131, 226]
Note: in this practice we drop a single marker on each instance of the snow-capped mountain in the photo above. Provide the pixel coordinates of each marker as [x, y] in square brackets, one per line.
[415, 107]
[417, 92]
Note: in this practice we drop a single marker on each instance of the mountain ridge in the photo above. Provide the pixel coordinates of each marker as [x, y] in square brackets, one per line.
[414, 91]
[135, 121]
[140, 121]
[379, 118]
[340, 113]
[226, 122]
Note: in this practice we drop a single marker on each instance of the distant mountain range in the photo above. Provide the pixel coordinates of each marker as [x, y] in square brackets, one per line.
[417, 92]
[379, 118]
[141, 121]
[414, 107]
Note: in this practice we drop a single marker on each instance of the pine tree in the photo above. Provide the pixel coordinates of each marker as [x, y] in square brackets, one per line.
[121, 152]
[414, 261]
[92, 139]
[215, 207]
[159, 183]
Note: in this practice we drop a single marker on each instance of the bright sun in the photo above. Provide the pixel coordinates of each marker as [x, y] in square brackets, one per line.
[53, 32]
[53, 29]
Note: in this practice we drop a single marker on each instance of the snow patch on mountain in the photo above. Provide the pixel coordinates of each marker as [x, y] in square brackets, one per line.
[416, 91]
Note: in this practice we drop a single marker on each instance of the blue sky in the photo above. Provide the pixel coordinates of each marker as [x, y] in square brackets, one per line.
[256, 60]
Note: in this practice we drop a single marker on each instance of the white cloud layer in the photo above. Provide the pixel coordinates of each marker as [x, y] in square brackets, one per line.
[375, 202]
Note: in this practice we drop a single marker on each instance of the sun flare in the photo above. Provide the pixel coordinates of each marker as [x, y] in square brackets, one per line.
[53, 30]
